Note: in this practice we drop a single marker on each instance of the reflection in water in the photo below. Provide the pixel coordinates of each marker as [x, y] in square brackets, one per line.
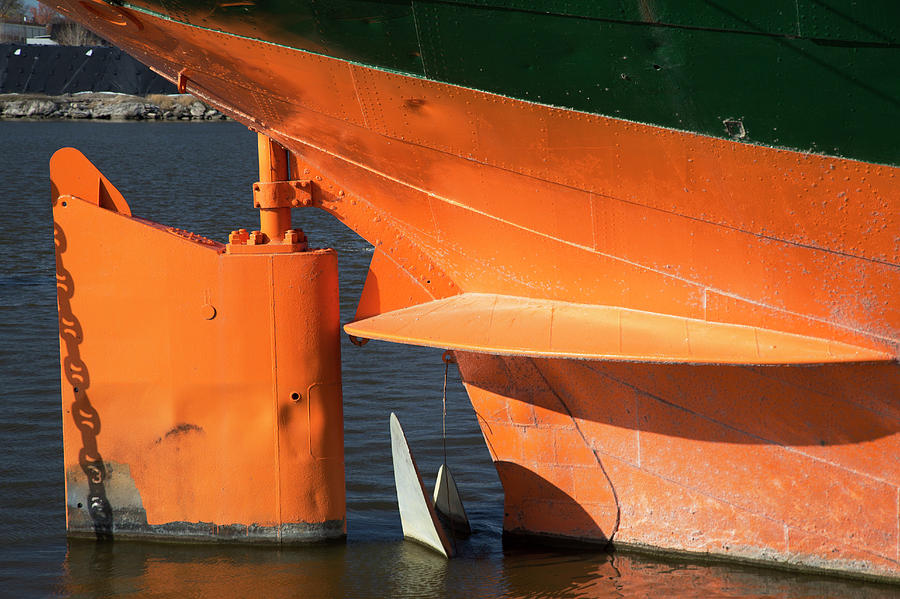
[602, 575]
[404, 569]
[156, 570]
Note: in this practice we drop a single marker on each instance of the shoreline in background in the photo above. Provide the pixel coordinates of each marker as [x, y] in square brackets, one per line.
[107, 106]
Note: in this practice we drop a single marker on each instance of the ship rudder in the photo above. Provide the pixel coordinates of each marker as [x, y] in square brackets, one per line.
[201, 387]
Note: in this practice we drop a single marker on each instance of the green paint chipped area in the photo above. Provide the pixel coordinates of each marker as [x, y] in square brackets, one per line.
[811, 75]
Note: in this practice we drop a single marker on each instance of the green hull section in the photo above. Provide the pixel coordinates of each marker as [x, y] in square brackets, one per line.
[811, 75]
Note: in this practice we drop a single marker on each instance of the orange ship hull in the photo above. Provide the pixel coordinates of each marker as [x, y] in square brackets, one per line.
[466, 192]
[793, 465]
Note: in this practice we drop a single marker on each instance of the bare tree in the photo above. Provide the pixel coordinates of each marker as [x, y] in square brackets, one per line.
[41, 14]
[11, 10]
[70, 33]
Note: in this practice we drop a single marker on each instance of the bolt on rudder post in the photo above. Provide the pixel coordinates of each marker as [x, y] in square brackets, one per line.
[201, 383]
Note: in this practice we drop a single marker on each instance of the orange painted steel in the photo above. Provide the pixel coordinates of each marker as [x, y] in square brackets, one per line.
[506, 325]
[462, 191]
[273, 167]
[794, 465]
[201, 389]
[515, 198]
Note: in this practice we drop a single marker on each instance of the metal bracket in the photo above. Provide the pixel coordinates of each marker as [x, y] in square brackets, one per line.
[181, 82]
[282, 194]
[257, 242]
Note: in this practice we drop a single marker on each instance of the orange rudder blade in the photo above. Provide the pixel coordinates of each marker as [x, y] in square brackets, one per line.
[201, 390]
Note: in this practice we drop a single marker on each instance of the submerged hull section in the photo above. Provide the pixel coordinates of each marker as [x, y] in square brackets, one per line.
[789, 464]
[464, 191]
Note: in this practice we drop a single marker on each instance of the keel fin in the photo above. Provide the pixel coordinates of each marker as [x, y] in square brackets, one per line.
[519, 326]
[448, 504]
[388, 287]
[417, 516]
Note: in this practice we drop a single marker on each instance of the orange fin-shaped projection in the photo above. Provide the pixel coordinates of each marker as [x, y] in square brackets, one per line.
[71, 171]
[508, 325]
[388, 287]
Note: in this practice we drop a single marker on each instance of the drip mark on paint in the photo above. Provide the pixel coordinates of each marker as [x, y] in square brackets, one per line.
[637, 428]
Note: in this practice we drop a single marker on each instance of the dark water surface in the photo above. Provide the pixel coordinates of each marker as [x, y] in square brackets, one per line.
[197, 177]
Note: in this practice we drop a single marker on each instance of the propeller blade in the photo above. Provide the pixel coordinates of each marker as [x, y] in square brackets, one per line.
[448, 504]
[417, 515]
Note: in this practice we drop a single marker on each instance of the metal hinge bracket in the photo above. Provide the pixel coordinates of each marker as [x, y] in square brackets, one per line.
[282, 194]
